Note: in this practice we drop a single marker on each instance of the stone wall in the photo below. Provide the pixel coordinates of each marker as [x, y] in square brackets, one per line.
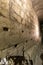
[18, 26]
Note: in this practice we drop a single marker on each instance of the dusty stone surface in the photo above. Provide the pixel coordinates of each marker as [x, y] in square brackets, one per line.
[22, 23]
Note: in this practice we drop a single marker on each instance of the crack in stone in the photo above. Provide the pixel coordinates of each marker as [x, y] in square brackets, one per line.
[2, 15]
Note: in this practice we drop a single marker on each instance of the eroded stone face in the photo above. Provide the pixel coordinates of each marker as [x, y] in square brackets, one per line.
[20, 20]
[38, 6]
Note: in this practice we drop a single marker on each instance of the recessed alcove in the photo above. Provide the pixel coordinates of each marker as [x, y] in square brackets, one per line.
[5, 28]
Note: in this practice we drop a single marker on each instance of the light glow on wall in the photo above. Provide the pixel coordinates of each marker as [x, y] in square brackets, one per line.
[36, 31]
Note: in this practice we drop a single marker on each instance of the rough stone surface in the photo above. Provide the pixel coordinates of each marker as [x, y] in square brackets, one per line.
[23, 28]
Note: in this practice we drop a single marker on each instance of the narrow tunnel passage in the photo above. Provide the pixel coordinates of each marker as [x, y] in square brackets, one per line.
[41, 30]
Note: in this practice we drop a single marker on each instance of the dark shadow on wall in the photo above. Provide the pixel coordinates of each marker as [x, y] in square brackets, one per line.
[41, 29]
[41, 56]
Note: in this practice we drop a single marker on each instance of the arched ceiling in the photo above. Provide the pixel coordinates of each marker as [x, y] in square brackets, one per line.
[38, 6]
